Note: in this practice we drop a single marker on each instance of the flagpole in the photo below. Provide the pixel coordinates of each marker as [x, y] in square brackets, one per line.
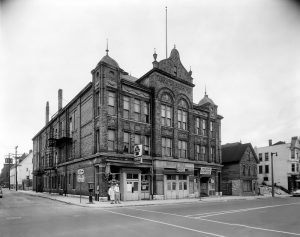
[166, 32]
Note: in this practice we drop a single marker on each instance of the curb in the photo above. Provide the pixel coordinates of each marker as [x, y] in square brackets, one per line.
[151, 204]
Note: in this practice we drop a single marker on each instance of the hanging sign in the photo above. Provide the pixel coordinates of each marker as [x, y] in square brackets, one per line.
[80, 178]
[205, 170]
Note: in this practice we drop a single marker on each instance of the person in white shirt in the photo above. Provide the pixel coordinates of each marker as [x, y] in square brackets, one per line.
[111, 193]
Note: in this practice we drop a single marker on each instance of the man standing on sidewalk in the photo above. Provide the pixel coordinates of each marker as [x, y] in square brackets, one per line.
[111, 193]
[117, 194]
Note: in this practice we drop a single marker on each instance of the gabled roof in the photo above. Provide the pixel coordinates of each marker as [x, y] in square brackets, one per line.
[233, 152]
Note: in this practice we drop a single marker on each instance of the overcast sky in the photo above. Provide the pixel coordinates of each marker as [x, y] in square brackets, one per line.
[247, 53]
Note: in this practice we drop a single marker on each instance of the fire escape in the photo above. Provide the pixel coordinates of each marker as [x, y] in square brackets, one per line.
[57, 141]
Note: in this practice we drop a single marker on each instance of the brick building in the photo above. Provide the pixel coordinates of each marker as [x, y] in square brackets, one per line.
[99, 128]
[239, 173]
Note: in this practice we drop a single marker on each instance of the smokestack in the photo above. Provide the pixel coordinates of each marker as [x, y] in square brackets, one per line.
[270, 142]
[59, 99]
[47, 112]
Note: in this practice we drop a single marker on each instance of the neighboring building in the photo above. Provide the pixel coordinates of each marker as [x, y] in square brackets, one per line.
[239, 172]
[285, 164]
[4, 176]
[98, 130]
[24, 172]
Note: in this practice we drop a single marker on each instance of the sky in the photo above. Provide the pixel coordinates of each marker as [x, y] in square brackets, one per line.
[246, 54]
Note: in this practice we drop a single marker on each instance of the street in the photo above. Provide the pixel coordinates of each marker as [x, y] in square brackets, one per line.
[29, 216]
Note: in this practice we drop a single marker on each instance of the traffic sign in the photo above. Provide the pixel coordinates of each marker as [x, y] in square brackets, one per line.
[80, 178]
[80, 171]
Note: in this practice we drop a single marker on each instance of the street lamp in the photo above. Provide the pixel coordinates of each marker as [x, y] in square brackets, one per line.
[272, 153]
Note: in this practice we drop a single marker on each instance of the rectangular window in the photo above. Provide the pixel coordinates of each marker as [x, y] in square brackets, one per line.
[69, 179]
[260, 169]
[266, 179]
[126, 107]
[213, 154]
[197, 126]
[126, 144]
[111, 103]
[74, 181]
[111, 140]
[244, 170]
[97, 140]
[137, 139]
[166, 119]
[293, 168]
[204, 153]
[179, 116]
[198, 152]
[137, 110]
[97, 103]
[146, 115]
[292, 154]
[166, 146]
[266, 169]
[182, 119]
[297, 167]
[204, 127]
[70, 126]
[182, 149]
[266, 156]
[147, 145]
[260, 156]
[211, 127]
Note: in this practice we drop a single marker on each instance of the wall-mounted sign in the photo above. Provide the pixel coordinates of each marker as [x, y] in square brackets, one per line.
[80, 178]
[205, 170]
[180, 167]
[80, 171]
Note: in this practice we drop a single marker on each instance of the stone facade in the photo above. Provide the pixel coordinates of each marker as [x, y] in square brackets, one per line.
[98, 130]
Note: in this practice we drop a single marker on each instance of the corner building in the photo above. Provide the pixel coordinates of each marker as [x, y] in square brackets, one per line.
[99, 128]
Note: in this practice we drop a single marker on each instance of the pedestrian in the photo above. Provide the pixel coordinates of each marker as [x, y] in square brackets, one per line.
[111, 193]
[117, 194]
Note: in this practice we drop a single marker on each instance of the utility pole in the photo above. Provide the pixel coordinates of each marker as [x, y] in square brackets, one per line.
[9, 170]
[272, 153]
[16, 160]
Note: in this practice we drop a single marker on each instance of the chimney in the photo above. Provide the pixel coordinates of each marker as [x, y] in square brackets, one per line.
[47, 112]
[270, 142]
[59, 99]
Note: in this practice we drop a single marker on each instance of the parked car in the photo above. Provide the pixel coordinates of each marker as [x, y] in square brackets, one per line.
[296, 193]
[1, 193]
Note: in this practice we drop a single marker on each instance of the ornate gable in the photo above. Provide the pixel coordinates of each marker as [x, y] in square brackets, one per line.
[173, 66]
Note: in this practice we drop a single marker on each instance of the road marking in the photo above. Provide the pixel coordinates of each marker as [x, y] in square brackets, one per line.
[252, 227]
[208, 214]
[164, 223]
[166, 213]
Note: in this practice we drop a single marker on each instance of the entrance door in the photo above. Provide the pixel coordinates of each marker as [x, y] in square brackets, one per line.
[183, 184]
[132, 187]
[171, 186]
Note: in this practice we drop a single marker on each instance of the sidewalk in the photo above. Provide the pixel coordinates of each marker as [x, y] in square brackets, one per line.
[75, 200]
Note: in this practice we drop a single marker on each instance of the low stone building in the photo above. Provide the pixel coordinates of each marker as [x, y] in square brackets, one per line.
[239, 172]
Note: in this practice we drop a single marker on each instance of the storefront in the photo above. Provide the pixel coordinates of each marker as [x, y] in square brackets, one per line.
[135, 182]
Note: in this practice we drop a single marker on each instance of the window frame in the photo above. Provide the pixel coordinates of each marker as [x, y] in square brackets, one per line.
[111, 140]
[182, 149]
[111, 103]
[126, 103]
[167, 147]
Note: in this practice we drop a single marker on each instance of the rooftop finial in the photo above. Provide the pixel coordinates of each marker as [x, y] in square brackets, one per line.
[106, 47]
[174, 46]
[205, 89]
[155, 55]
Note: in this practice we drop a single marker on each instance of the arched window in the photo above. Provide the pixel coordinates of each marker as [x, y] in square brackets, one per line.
[166, 110]
[182, 114]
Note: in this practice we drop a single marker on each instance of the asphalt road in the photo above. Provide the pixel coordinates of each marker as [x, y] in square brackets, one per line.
[22, 215]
